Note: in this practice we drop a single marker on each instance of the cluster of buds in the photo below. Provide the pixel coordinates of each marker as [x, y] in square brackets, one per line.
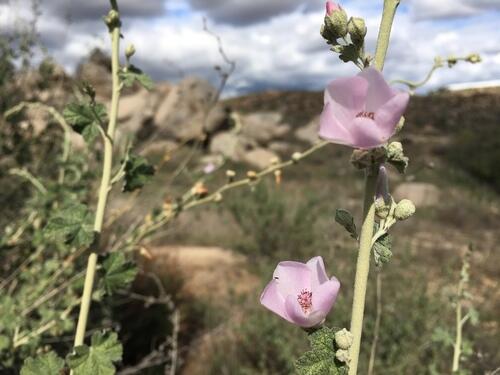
[345, 35]
[343, 339]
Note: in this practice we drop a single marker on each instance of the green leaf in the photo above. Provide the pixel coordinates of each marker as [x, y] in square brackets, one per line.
[85, 118]
[382, 249]
[72, 225]
[46, 364]
[118, 273]
[344, 218]
[442, 336]
[98, 359]
[133, 74]
[350, 53]
[396, 156]
[138, 171]
[321, 359]
[473, 316]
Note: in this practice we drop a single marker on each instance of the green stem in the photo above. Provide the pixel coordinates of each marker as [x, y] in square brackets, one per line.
[458, 339]
[384, 32]
[105, 182]
[365, 241]
[362, 269]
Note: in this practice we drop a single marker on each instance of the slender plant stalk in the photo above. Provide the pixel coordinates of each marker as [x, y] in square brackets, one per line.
[105, 181]
[458, 339]
[373, 352]
[365, 242]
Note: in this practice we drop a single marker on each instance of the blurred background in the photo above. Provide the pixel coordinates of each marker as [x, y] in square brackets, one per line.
[257, 99]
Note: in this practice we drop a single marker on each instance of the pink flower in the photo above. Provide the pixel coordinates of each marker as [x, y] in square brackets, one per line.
[301, 293]
[361, 111]
[331, 7]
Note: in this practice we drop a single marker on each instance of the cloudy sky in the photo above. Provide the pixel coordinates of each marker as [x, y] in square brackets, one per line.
[275, 43]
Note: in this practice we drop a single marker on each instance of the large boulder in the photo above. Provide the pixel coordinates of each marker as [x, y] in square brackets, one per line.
[230, 145]
[188, 112]
[264, 127]
[309, 133]
[96, 70]
[259, 158]
[422, 194]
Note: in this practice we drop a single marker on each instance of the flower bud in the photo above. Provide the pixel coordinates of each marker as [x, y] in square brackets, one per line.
[400, 124]
[331, 7]
[344, 339]
[296, 156]
[230, 174]
[381, 208]
[112, 20]
[394, 150]
[335, 25]
[474, 58]
[342, 355]
[252, 175]
[404, 209]
[218, 198]
[129, 51]
[357, 30]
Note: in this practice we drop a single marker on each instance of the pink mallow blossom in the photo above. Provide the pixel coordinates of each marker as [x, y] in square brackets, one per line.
[331, 7]
[301, 293]
[361, 111]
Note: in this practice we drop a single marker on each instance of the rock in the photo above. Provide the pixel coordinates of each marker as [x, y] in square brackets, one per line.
[259, 158]
[186, 114]
[96, 70]
[230, 145]
[422, 194]
[264, 126]
[309, 132]
[200, 269]
[161, 147]
[281, 148]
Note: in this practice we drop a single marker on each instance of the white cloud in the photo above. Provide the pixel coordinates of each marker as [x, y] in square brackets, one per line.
[286, 51]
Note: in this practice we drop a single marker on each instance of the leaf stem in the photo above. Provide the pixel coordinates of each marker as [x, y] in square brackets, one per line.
[105, 182]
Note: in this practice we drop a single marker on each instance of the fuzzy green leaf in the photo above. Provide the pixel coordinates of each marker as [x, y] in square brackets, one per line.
[133, 74]
[46, 364]
[442, 336]
[344, 218]
[350, 53]
[85, 119]
[138, 171]
[382, 249]
[72, 225]
[321, 359]
[98, 359]
[118, 272]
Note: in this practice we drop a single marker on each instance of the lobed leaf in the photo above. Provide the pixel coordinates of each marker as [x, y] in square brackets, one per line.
[138, 171]
[345, 218]
[133, 74]
[85, 118]
[98, 358]
[46, 364]
[118, 272]
[72, 225]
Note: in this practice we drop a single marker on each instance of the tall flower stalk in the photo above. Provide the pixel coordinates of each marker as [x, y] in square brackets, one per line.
[365, 242]
[113, 22]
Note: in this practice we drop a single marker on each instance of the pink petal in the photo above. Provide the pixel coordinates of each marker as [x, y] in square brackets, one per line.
[347, 97]
[325, 295]
[298, 316]
[331, 129]
[366, 133]
[379, 92]
[318, 273]
[388, 115]
[292, 277]
[273, 300]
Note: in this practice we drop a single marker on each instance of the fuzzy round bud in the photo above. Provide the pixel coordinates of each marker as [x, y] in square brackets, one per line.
[344, 339]
[275, 160]
[474, 58]
[381, 208]
[296, 156]
[218, 198]
[335, 25]
[404, 209]
[394, 149]
[130, 51]
[252, 175]
[112, 19]
[331, 7]
[357, 30]
[342, 355]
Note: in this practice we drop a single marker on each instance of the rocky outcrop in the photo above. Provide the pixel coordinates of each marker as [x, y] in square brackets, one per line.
[422, 194]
